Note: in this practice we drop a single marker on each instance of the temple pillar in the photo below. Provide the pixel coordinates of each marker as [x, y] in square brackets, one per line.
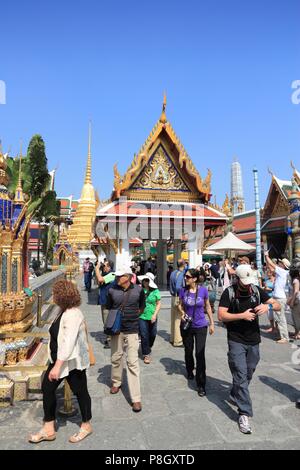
[195, 255]
[123, 257]
[161, 262]
[177, 252]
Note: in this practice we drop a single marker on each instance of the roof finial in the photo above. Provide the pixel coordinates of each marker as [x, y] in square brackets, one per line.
[163, 117]
[19, 196]
[88, 179]
[270, 172]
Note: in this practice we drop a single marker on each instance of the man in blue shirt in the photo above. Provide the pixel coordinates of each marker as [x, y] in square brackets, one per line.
[176, 283]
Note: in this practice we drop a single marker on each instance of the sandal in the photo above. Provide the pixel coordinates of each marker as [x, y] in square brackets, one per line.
[41, 436]
[147, 360]
[79, 436]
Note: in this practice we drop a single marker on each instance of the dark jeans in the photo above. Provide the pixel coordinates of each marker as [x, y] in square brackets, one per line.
[148, 333]
[242, 360]
[188, 336]
[88, 281]
[78, 384]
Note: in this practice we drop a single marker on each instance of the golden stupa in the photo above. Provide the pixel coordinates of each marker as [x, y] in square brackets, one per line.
[81, 231]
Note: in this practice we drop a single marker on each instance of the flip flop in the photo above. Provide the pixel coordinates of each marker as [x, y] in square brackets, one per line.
[79, 436]
[41, 436]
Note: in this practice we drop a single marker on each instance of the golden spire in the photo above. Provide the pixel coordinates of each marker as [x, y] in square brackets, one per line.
[88, 178]
[163, 117]
[19, 196]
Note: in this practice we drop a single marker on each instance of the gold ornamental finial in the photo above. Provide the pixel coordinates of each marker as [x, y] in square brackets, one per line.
[88, 179]
[19, 196]
[163, 117]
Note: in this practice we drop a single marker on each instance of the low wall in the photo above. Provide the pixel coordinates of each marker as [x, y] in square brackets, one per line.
[44, 284]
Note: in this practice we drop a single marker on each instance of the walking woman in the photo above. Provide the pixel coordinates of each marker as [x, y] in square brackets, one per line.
[69, 358]
[148, 319]
[193, 303]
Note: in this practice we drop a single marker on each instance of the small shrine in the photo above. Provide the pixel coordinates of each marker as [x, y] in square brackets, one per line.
[15, 304]
[65, 255]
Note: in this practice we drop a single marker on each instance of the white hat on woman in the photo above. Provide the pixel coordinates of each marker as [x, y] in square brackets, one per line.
[151, 278]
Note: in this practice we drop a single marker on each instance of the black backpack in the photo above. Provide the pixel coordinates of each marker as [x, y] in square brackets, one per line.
[235, 302]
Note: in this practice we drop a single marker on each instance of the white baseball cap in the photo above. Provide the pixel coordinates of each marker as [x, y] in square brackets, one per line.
[123, 271]
[245, 274]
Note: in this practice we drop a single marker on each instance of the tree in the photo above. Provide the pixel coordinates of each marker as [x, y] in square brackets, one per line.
[37, 164]
[43, 207]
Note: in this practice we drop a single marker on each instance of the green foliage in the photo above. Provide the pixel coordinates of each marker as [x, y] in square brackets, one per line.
[37, 163]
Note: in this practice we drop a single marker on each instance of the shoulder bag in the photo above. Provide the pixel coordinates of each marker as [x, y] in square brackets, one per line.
[114, 318]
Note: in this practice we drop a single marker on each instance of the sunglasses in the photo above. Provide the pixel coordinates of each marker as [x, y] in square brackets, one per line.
[188, 277]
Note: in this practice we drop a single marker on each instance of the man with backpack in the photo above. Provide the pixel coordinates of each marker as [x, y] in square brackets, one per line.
[239, 308]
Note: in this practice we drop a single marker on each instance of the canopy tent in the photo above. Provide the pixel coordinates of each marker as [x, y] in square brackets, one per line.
[231, 242]
[210, 253]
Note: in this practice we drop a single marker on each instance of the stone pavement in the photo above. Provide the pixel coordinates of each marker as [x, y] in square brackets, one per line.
[173, 416]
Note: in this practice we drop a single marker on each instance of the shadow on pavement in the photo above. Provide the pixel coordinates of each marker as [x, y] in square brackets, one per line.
[98, 336]
[289, 391]
[92, 297]
[173, 366]
[164, 334]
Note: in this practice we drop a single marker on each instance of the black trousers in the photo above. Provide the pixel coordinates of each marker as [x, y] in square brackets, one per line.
[78, 384]
[199, 336]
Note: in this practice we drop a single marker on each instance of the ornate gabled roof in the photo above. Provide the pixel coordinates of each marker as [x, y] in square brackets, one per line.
[140, 160]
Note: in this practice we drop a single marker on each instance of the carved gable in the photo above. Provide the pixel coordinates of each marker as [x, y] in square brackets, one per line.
[160, 174]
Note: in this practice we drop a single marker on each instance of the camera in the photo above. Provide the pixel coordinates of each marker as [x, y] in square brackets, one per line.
[187, 322]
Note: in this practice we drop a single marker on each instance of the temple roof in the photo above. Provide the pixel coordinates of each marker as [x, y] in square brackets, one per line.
[188, 178]
[153, 210]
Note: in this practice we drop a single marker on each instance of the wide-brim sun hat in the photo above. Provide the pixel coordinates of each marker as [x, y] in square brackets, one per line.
[150, 277]
[245, 274]
[123, 271]
[285, 262]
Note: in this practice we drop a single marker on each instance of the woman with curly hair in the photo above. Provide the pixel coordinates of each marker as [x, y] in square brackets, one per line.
[69, 358]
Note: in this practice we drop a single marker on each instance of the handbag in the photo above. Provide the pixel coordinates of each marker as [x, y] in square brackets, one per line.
[114, 318]
[91, 352]
[188, 321]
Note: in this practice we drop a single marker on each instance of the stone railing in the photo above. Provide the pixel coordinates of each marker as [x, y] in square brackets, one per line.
[44, 284]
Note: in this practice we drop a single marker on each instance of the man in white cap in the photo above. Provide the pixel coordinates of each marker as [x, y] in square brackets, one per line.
[129, 298]
[239, 308]
[281, 277]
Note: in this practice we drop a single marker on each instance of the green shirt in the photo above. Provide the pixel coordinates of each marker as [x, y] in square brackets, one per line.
[152, 298]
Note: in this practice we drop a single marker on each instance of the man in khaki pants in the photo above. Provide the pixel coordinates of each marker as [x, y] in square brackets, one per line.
[130, 299]
[176, 283]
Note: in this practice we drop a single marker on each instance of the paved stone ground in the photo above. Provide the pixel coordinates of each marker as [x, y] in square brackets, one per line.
[173, 415]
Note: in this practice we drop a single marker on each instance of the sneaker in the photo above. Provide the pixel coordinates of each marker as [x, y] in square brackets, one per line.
[244, 425]
[282, 341]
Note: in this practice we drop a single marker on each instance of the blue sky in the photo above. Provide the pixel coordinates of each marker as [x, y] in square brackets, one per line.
[227, 67]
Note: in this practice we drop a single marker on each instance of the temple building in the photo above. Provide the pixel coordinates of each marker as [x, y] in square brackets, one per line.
[81, 231]
[275, 218]
[161, 197]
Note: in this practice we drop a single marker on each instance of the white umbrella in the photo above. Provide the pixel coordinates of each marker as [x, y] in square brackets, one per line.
[231, 242]
[210, 252]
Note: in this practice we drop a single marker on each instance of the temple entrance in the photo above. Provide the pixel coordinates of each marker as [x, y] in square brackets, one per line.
[162, 197]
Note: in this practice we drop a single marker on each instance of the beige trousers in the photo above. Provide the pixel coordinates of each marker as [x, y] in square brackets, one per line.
[176, 338]
[128, 344]
[280, 319]
[296, 315]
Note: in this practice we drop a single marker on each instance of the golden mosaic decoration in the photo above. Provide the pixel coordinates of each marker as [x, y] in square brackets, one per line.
[160, 174]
